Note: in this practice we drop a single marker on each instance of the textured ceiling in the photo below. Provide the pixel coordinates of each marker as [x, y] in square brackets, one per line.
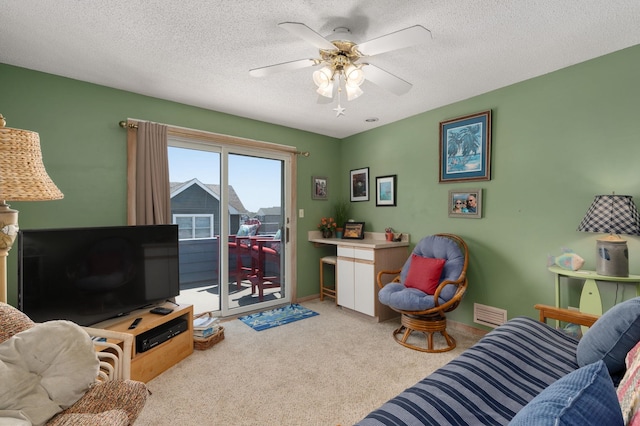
[199, 52]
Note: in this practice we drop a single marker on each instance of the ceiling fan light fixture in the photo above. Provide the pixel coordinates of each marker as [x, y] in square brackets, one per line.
[323, 78]
[326, 90]
[353, 92]
[354, 75]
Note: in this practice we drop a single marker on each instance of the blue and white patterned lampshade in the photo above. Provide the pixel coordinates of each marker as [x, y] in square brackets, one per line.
[612, 214]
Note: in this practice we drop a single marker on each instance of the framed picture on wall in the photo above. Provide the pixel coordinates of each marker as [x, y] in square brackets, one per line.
[386, 190]
[465, 203]
[465, 148]
[360, 184]
[319, 188]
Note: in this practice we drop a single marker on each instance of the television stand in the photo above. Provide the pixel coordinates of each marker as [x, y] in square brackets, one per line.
[145, 365]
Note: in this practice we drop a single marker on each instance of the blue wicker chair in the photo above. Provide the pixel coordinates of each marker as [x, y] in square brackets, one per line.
[422, 312]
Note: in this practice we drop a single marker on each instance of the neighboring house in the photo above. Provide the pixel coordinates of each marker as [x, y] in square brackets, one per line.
[271, 218]
[195, 206]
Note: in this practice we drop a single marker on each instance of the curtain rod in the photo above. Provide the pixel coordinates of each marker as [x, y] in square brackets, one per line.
[124, 125]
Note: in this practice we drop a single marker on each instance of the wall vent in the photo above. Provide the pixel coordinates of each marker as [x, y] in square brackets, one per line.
[489, 315]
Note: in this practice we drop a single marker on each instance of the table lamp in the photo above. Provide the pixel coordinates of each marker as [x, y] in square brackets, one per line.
[614, 215]
[22, 178]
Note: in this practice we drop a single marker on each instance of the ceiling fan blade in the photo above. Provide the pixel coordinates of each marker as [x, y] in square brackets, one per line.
[307, 34]
[386, 80]
[285, 66]
[397, 40]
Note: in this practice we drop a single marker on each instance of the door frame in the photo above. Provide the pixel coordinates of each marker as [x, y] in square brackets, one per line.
[288, 156]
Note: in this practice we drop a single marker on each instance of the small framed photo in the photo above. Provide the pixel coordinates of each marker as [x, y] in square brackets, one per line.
[465, 203]
[353, 231]
[386, 188]
[360, 184]
[319, 188]
[465, 148]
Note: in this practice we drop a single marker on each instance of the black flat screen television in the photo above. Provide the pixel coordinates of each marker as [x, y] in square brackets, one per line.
[88, 275]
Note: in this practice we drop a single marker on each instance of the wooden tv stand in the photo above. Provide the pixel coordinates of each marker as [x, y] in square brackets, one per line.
[147, 365]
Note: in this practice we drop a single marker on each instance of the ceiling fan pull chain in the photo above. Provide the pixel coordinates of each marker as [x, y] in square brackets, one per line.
[339, 110]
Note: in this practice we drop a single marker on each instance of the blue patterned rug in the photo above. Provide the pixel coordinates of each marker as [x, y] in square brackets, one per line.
[275, 317]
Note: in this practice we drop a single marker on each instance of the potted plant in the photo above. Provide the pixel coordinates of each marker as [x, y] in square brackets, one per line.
[341, 214]
[389, 233]
[327, 225]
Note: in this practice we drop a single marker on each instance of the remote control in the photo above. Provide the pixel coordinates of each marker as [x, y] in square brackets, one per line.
[135, 323]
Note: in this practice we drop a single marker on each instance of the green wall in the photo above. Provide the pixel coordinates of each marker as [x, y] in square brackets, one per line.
[84, 151]
[558, 140]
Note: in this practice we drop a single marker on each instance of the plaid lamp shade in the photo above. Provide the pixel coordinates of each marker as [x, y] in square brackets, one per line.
[612, 214]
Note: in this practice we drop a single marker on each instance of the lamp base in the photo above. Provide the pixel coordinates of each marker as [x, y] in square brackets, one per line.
[8, 232]
[612, 257]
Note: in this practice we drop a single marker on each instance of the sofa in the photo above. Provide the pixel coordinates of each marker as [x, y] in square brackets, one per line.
[528, 372]
[51, 373]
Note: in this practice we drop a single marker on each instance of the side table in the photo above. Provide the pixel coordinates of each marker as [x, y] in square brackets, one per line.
[590, 300]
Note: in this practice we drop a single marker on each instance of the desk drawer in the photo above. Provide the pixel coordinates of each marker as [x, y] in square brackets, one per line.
[356, 253]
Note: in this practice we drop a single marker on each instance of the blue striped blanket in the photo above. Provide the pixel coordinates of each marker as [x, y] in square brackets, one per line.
[489, 382]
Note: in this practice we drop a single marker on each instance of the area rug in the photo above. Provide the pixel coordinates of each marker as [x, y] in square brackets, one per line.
[275, 317]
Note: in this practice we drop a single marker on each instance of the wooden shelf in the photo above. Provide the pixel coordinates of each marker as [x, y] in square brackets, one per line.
[147, 365]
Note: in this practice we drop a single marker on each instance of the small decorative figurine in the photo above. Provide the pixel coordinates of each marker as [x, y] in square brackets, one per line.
[567, 260]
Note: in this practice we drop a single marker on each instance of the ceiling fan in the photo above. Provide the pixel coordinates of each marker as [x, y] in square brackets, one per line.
[345, 61]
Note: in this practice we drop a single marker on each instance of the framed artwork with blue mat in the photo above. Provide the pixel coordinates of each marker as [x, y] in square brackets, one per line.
[275, 317]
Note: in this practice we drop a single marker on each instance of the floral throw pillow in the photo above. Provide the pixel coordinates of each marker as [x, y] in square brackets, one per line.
[629, 388]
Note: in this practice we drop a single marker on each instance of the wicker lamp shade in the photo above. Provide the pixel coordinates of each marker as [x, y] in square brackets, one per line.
[22, 178]
[22, 173]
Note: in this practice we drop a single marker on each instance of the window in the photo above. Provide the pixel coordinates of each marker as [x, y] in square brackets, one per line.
[194, 226]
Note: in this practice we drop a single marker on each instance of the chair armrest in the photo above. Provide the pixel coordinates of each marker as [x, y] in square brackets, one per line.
[565, 315]
[390, 272]
[116, 352]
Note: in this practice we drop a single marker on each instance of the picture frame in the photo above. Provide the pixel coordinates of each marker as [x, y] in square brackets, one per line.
[386, 189]
[353, 231]
[319, 188]
[465, 148]
[461, 203]
[359, 184]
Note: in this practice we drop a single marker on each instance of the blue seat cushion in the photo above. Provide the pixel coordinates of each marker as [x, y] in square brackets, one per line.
[397, 296]
[406, 298]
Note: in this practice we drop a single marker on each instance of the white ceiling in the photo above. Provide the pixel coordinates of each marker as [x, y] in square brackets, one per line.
[199, 52]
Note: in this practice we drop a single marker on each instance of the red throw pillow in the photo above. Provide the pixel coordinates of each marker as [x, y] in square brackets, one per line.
[424, 273]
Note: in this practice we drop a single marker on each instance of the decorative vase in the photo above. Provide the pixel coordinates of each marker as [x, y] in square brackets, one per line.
[389, 236]
[326, 233]
[339, 232]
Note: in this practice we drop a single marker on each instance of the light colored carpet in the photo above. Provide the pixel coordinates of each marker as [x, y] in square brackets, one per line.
[330, 369]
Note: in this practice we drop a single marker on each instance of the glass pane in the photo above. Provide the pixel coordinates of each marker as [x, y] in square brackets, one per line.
[185, 229]
[195, 193]
[203, 227]
[255, 266]
[203, 222]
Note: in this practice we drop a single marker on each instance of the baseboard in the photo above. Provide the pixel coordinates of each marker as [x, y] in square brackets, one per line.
[306, 298]
[453, 325]
[465, 328]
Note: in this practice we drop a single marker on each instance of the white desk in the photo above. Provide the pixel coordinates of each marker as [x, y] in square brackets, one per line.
[359, 262]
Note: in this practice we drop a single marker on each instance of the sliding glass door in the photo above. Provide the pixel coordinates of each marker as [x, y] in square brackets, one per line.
[230, 205]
